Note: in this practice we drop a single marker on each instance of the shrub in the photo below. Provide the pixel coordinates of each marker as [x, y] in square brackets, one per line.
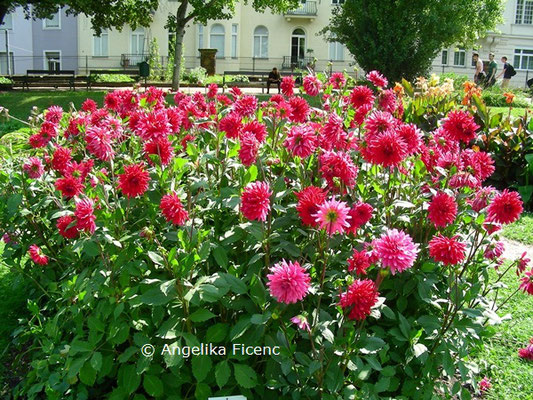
[458, 79]
[113, 78]
[494, 97]
[196, 75]
[5, 81]
[343, 251]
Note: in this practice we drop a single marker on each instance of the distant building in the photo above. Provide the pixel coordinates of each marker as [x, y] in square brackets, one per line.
[39, 44]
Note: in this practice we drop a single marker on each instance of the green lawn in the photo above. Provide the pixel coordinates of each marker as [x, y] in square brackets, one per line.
[511, 377]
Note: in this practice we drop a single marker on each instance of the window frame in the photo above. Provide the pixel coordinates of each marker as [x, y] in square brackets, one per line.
[201, 35]
[105, 33]
[447, 57]
[520, 12]
[45, 59]
[223, 35]
[262, 38]
[234, 41]
[336, 46]
[459, 51]
[521, 55]
[137, 33]
[53, 28]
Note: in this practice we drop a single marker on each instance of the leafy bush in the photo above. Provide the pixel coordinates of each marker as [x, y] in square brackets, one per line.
[113, 78]
[353, 260]
[494, 97]
[458, 79]
[5, 81]
[196, 75]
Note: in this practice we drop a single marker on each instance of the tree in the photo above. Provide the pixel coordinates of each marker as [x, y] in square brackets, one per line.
[201, 11]
[401, 38]
[106, 14]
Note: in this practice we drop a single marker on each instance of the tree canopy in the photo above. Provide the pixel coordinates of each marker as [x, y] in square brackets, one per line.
[402, 37]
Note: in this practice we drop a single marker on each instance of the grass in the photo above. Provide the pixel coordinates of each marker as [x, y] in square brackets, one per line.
[511, 377]
[522, 230]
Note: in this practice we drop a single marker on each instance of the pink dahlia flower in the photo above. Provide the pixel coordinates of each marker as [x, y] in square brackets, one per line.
[37, 256]
[301, 322]
[485, 385]
[377, 79]
[333, 215]
[99, 142]
[173, 210]
[85, 216]
[527, 282]
[301, 140]
[255, 201]
[288, 282]
[396, 250]
[287, 86]
[34, 168]
[312, 85]
[494, 250]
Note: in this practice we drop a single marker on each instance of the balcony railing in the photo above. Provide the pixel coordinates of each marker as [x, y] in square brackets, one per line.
[131, 60]
[309, 8]
[291, 62]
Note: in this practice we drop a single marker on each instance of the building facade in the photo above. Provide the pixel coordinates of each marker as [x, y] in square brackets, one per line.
[39, 44]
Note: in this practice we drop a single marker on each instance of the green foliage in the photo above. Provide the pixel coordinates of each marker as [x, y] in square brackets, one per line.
[196, 75]
[402, 38]
[113, 78]
[494, 97]
[5, 80]
[458, 79]
[154, 60]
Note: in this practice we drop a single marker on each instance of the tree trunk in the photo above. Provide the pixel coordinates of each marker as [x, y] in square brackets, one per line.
[181, 21]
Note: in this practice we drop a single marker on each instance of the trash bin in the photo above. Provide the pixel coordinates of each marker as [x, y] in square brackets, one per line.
[144, 69]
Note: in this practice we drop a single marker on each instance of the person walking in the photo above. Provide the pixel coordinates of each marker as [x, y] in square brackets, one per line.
[508, 72]
[491, 71]
[479, 75]
[274, 77]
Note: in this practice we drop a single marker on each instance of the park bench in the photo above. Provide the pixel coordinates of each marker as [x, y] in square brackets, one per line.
[133, 73]
[255, 78]
[47, 78]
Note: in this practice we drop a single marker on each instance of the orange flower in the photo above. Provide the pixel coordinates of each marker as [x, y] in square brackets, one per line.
[468, 86]
[509, 97]
[398, 89]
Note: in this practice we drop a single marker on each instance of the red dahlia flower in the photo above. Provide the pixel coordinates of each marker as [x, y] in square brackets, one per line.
[85, 217]
[61, 158]
[160, 147]
[442, 210]
[64, 230]
[299, 109]
[360, 214]
[362, 96]
[134, 181]
[34, 168]
[359, 262]
[301, 140]
[333, 135]
[249, 149]
[449, 251]
[255, 201]
[245, 106]
[287, 86]
[53, 114]
[379, 122]
[338, 165]
[506, 207]
[173, 210]
[460, 126]
[232, 125]
[527, 282]
[360, 297]
[89, 106]
[69, 186]
[308, 201]
[386, 148]
[312, 85]
[99, 142]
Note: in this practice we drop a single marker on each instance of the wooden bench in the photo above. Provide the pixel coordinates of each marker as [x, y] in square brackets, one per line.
[255, 78]
[133, 73]
[46, 78]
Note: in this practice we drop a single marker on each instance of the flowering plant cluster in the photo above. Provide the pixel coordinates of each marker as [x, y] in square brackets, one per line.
[357, 241]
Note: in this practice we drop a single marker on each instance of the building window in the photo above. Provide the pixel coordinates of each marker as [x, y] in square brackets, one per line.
[524, 12]
[261, 42]
[137, 46]
[234, 41]
[459, 58]
[337, 2]
[523, 59]
[100, 44]
[336, 51]
[200, 37]
[54, 22]
[52, 60]
[8, 22]
[217, 39]
[444, 57]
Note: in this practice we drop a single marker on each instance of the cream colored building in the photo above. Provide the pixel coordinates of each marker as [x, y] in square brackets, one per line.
[249, 41]
[259, 41]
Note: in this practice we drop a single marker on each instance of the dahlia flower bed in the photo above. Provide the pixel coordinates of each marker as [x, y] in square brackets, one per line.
[334, 252]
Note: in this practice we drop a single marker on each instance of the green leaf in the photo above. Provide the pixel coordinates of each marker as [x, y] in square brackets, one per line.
[202, 391]
[87, 374]
[13, 203]
[383, 384]
[128, 378]
[91, 248]
[222, 373]
[96, 361]
[201, 315]
[221, 256]
[245, 376]
[201, 366]
[156, 258]
[153, 385]
[405, 327]
[372, 345]
[236, 284]
[217, 333]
